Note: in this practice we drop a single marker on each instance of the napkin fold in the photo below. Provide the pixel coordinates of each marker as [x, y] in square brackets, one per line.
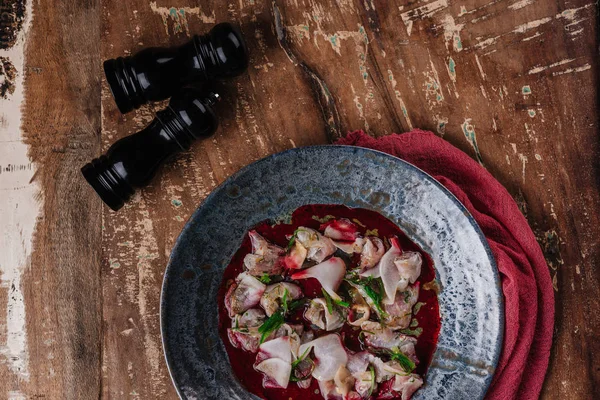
[526, 283]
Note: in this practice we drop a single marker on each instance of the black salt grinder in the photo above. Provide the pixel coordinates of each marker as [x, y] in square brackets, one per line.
[156, 73]
[132, 161]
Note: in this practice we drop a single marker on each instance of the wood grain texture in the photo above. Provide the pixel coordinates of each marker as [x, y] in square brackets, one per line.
[61, 284]
[513, 83]
[269, 109]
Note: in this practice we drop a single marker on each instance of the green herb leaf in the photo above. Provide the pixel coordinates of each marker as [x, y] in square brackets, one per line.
[265, 278]
[284, 301]
[372, 380]
[412, 332]
[292, 239]
[372, 232]
[376, 297]
[328, 300]
[406, 363]
[301, 358]
[275, 321]
[296, 304]
[270, 325]
[342, 303]
[326, 218]
[407, 296]
[367, 286]
[414, 323]
[417, 307]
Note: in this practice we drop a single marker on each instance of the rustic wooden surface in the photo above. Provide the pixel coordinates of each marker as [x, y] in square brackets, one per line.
[512, 83]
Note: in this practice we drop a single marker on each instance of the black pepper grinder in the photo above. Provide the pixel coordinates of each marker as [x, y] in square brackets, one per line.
[156, 73]
[132, 161]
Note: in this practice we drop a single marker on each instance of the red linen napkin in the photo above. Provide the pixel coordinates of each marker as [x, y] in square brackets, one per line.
[528, 293]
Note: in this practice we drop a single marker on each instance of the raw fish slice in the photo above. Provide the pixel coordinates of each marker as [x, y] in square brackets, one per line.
[399, 313]
[262, 247]
[329, 356]
[409, 268]
[344, 381]
[244, 333]
[378, 336]
[274, 360]
[273, 295]
[329, 273]
[358, 362]
[265, 257]
[388, 271]
[297, 256]
[276, 373]
[243, 294]
[341, 229]
[358, 314]
[364, 384]
[318, 314]
[277, 348]
[407, 385]
[373, 250]
[327, 389]
[247, 341]
[251, 318]
[319, 247]
[350, 247]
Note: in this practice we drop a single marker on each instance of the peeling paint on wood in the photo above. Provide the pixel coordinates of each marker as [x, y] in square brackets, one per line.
[178, 16]
[19, 205]
[469, 132]
[421, 12]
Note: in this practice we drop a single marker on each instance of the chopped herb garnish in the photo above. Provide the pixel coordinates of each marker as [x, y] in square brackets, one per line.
[357, 222]
[414, 323]
[367, 286]
[328, 301]
[284, 301]
[277, 319]
[412, 332]
[407, 296]
[417, 307]
[379, 283]
[301, 358]
[295, 304]
[372, 232]
[292, 240]
[372, 371]
[406, 363]
[342, 303]
[376, 298]
[273, 323]
[265, 278]
[432, 285]
[326, 218]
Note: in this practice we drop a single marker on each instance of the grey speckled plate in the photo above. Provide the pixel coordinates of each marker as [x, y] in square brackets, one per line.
[471, 303]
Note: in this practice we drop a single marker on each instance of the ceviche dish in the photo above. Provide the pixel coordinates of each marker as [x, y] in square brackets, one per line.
[336, 304]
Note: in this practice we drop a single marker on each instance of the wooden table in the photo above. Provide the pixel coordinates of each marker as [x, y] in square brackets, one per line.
[512, 83]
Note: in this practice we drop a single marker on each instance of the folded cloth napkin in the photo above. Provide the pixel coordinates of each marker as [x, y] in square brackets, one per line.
[528, 293]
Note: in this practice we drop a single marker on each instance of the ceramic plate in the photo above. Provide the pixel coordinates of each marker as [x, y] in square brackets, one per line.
[470, 298]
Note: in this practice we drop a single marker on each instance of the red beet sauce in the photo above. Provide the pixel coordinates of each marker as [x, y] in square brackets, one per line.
[428, 316]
